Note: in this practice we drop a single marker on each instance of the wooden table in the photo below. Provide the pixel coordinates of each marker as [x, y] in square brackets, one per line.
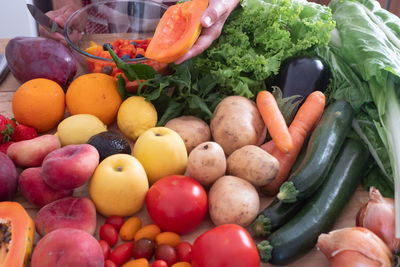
[314, 258]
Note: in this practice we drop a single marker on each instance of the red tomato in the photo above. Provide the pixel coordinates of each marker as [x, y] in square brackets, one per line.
[177, 203]
[159, 263]
[183, 251]
[116, 221]
[225, 245]
[108, 233]
[166, 253]
[105, 247]
[109, 263]
[122, 253]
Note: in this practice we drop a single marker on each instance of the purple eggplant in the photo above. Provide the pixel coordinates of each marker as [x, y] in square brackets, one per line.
[302, 75]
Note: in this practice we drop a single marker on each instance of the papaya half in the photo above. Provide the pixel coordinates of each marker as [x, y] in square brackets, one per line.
[177, 30]
[17, 231]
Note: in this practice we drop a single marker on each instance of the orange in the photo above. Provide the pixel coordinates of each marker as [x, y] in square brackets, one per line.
[96, 94]
[39, 103]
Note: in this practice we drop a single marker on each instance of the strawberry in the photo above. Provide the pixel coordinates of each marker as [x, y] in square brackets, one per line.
[4, 146]
[23, 132]
[6, 129]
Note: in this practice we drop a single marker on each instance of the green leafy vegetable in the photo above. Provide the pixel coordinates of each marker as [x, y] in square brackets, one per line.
[258, 36]
[369, 41]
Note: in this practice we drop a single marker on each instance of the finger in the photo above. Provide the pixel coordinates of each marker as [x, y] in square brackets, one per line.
[216, 10]
[203, 42]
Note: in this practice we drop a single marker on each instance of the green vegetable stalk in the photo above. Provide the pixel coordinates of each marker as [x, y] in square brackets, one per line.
[369, 41]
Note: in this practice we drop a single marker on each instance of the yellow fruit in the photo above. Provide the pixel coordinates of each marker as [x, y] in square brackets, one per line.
[119, 186]
[135, 116]
[77, 129]
[162, 152]
[96, 94]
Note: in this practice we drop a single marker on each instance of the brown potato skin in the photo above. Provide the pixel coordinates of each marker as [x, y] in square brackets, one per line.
[207, 163]
[192, 130]
[253, 164]
[233, 200]
[236, 123]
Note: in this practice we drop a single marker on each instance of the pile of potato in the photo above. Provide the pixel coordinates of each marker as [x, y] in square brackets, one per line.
[233, 165]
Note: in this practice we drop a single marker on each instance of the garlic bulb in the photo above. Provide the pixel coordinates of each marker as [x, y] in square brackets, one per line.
[378, 216]
[354, 247]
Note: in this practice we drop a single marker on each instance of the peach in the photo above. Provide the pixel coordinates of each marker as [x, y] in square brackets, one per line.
[36, 191]
[30, 153]
[8, 178]
[70, 167]
[69, 212]
[67, 247]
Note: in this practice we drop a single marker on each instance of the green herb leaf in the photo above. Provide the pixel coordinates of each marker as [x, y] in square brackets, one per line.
[173, 110]
[121, 87]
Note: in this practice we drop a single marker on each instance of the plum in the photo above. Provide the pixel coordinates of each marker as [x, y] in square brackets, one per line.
[37, 57]
[8, 178]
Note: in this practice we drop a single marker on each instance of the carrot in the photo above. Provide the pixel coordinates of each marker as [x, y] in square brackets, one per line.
[274, 120]
[303, 123]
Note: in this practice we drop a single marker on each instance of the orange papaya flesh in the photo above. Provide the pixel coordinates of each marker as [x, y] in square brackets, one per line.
[177, 31]
[17, 231]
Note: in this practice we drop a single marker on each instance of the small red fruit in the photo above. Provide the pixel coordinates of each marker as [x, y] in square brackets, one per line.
[109, 263]
[4, 146]
[159, 263]
[121, 254]
[183, 251]
[116, 221]
[23, 132]
[105, 247]
[108, 233]
[166, 253]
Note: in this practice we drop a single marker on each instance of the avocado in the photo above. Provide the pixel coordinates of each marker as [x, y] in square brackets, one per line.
[109, 143]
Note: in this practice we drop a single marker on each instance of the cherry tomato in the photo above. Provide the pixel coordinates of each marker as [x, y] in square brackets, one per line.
[159, 263]
[183, 251]
[144, 248]
[116, 221]
[166, 253]
[108, 233]
[225, 245]
[109, 263]
[164, 203]
[121, 254]
[105, 247]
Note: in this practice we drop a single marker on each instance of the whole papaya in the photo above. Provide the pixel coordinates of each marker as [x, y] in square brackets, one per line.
[37, 57]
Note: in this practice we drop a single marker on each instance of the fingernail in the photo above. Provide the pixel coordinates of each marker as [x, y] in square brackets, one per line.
[207, 21]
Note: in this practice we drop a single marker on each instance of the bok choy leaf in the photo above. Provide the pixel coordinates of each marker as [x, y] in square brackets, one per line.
[369, 41]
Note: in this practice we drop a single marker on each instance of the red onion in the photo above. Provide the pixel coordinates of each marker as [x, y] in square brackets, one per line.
[378, 216]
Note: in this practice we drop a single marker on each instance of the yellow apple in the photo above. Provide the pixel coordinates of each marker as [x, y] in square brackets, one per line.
[162, 152]
[119, 186]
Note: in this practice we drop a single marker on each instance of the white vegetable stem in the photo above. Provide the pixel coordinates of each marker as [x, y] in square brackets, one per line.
[393, 125]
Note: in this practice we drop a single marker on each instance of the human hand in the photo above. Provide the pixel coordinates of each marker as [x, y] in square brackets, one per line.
[212, 21]
[60, 16]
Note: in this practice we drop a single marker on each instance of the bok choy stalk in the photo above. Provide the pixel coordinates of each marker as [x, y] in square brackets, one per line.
[369, 41]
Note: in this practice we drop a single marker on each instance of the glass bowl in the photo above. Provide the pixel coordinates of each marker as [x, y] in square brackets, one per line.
[105, 22]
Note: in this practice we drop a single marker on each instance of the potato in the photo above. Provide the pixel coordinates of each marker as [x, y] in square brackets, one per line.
[253, 164]
[233, 200]
[206, 163]
[192, 130]
[236, 123]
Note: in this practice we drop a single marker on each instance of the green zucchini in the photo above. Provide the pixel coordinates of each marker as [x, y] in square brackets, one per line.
[272, 217]
[322, 148]
[318, 215]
